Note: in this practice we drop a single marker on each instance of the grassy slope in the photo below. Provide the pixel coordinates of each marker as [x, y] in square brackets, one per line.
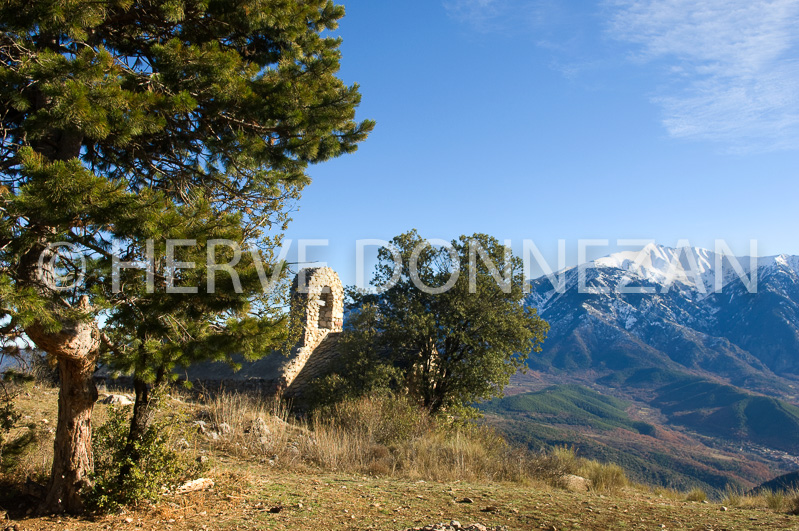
[246, 489]
[573, 405]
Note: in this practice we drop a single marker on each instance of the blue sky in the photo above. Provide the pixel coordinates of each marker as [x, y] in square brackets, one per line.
[548, 120]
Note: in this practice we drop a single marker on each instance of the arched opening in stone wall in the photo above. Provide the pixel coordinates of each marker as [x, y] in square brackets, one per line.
[325, 308]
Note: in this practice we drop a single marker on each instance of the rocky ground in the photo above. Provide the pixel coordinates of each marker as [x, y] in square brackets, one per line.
[245, 497]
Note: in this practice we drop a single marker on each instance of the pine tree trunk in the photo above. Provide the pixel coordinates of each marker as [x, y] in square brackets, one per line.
[142, 410]
[72, 451]
[143, 407]
[76, 347]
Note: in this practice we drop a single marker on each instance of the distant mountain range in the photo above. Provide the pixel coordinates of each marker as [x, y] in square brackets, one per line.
[700, 343]
[679, 320]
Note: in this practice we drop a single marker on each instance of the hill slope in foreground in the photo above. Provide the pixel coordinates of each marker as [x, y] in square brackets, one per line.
[246, 496]
[249, 493]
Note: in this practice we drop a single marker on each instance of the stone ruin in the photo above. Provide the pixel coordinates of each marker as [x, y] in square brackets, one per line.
[320, 296]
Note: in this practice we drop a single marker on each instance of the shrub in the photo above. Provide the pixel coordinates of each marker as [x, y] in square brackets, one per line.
[14, 443]
[733, 497]
[775, 500]
[381, 417]
[604, 477]
[120, 479]
[552, 465]
[696, 495]
[792, 501]
[8, 418]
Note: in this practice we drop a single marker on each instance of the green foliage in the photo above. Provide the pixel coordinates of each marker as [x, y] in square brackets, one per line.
[591, 423]
[361, 368]
[722, 410]
[459, 339]
[122, 480]
[11, 449]
[8, 418]
[572, 405]
[133, 121]
[128, 123]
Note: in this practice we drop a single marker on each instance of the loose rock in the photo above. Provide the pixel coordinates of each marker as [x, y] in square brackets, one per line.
[195, 485]
[119, 400]
[574, 483]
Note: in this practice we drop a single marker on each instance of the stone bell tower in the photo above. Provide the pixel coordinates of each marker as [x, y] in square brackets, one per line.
[319, 295]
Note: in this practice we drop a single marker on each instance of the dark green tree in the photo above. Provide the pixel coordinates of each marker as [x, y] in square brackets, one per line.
[451, 317]
[149, 331]
[124, 120]
[363, 366]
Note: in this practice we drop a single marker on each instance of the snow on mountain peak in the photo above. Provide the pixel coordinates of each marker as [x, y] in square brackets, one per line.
[788, 261]
[693, 270]
[693, 267]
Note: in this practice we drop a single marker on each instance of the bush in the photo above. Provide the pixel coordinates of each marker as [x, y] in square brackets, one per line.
[792, 501]
[120, 479]
[604, 477]
[13, 448]
[775, 500]
[380, 417]
[8, 417]
[733, 496]
[696, 495]
[552, 465]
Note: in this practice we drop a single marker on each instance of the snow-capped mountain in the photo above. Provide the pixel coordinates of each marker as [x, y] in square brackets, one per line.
[675, 311]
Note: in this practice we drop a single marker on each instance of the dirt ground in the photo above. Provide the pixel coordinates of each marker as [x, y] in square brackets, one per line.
[280, 500]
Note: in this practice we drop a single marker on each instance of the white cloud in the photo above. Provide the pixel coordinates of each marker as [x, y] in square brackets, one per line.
[734, 66]
[500, 15]
[476, 12]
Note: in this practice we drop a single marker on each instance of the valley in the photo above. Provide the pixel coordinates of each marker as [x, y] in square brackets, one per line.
[666, 364]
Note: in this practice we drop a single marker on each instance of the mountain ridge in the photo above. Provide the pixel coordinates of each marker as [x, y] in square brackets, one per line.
[639, 296]
[709, 357]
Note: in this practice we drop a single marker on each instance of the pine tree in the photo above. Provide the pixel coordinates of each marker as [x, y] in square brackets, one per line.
[127, 120]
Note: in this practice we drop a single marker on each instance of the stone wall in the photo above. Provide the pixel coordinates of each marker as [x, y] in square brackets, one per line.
[320, 296]
[319, 291]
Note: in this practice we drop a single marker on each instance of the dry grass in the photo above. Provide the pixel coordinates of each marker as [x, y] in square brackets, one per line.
[254, 427]
[377, 437]
[389, 436]
[604, 477]
[696, 495]
[778, 501]
[27, 449]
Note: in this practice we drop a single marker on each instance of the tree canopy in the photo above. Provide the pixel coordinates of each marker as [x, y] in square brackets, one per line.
[451, 317]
